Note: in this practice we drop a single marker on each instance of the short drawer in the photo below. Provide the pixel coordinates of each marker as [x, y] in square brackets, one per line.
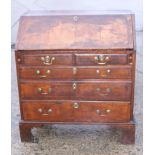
[101, 59]
[104, 90]
[105, 72]
[47, 90]
[46, 59]
[109, 72]
[76, 111]
[37, 72]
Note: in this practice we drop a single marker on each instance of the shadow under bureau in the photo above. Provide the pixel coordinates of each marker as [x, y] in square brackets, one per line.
[76, 68]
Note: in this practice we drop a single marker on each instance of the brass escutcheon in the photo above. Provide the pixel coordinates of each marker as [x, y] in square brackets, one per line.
[74, 86]
[97, 71]
[76, 105]
[74, 70]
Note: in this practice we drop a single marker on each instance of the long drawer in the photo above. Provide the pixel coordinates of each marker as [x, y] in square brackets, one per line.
[92, 90]
[76, 111]
[110, 72]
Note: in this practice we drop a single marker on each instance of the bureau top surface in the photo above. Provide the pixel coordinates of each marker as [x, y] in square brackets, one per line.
[75, 31]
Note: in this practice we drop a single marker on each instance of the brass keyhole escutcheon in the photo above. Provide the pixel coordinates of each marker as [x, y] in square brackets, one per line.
[18, 59]
[74, 86]
[97, 71]
[74, 70]
[76, 105]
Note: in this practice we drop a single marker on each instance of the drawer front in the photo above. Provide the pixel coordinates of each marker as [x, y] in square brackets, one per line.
[48, 90]
[101, 59]
[68, 111]
[46, 73]
[106, 72]
[47, 59]
[107, 90]
[41, 111]
[110, 72]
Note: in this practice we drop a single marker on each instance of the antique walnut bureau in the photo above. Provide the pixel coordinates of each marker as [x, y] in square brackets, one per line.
[76, 68]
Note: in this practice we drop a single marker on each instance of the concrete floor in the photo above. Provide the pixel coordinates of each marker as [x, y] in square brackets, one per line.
[79, 140]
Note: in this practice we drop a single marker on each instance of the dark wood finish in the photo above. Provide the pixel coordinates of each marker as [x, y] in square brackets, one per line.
[75, 32]
[67, 111]
[98, 90]
[110, 72]
[46, 73]
[128, 134]
[35, 60]
[76, 69]
[26, 133]
[54, 90]
[104, 90]
[89, 59]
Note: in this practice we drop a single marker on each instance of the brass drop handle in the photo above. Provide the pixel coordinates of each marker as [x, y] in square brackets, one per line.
[45, 114]
[107, 91]
[47, 60]
[103, 113]
[48, 111]
[42, 76]
[76, 105]
[98, 72]
[101, 60]
[40, 90]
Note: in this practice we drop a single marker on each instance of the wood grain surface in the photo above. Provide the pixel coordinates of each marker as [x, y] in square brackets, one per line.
[75, 32]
